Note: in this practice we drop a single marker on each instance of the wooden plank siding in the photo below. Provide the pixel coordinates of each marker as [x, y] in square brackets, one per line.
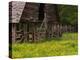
[31, 19]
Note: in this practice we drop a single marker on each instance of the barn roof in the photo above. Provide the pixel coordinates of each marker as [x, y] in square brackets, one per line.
[22, 12]
[15, 11]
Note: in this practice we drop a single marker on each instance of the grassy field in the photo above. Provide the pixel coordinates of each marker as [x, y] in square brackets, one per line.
[66, 45]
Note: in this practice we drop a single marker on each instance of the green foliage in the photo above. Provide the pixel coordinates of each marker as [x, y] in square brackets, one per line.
[68, 14]
[48, 48]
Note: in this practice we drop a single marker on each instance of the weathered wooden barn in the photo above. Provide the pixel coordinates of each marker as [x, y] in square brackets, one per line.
[33, 21]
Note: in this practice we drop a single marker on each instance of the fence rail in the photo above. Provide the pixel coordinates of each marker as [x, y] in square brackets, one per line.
[65, 32]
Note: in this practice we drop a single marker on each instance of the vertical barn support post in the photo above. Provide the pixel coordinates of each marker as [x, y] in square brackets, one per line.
[52, 30]
[60, 30]
[13, 32]
[28, 31]
[35, 32]
[24, 31]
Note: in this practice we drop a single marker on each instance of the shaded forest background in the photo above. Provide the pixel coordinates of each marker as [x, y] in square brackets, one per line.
[68, 15]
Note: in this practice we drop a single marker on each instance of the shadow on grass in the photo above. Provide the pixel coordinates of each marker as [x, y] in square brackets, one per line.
[46, 40]
[65, 36]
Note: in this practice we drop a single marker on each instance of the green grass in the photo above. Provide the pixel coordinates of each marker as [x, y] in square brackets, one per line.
[54, 47]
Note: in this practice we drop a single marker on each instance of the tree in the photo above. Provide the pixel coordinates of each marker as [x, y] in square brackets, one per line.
[68, 14]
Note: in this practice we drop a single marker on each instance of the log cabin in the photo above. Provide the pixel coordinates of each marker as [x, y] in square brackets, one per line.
[31, 22]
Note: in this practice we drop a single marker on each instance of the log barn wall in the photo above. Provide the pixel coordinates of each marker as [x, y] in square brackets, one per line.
[27, 17]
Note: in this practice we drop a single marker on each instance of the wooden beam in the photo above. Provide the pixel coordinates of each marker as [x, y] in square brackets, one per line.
[13, 32]
[27, 31]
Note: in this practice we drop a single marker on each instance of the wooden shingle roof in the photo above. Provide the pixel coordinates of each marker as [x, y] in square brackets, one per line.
[33, 12]
[15, 11]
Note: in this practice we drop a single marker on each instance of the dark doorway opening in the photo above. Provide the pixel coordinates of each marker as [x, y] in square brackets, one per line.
[41, 11]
